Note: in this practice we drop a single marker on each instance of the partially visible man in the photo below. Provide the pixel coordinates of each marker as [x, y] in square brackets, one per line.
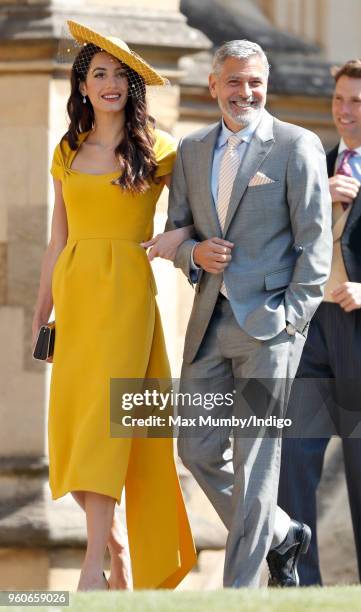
[332, 351]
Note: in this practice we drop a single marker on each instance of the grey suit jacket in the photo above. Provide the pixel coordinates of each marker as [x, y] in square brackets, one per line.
[281, 231]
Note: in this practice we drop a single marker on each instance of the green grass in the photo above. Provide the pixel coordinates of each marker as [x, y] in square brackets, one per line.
[342, 599]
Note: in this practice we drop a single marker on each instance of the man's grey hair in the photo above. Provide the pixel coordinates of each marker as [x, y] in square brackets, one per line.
[242, 49]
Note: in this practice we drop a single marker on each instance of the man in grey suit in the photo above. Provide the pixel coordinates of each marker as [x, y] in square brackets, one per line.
[255, 189]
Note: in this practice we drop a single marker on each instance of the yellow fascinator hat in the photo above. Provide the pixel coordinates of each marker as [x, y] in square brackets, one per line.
[119, 49]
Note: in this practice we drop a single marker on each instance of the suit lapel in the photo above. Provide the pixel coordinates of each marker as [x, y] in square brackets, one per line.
[331, 161]
[258, 149]
[204, 163]
[355, 213]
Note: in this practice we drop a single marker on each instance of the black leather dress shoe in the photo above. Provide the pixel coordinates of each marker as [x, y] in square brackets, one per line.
[283, 559]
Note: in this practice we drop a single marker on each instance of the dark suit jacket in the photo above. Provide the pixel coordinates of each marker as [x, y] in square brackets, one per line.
[351, 237]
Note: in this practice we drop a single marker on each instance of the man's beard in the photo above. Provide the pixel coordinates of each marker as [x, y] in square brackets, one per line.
[239, 116]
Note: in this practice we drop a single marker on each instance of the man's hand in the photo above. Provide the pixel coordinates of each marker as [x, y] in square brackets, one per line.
[348, 296]
[213, 255]
[343, 188]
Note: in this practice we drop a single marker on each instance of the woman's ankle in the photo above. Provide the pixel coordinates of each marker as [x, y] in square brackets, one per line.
[118, 541]
[92, 566]
[117, 546]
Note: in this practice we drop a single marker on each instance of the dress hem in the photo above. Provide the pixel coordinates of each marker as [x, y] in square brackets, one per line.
[56, 496]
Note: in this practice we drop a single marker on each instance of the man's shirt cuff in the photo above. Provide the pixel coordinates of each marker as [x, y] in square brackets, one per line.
[193, 265]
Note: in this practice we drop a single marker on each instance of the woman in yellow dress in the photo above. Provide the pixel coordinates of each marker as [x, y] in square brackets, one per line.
[109, 170]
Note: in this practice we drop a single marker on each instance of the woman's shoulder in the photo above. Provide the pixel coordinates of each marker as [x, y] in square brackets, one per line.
[164, 143]
[60, 155]
[62, 151]
[63, 154]
[64, 148]
[165, 152]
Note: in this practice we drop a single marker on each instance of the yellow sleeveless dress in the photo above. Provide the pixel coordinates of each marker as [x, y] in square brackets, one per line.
[108, 326]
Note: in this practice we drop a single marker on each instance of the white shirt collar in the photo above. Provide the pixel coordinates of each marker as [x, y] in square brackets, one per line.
[342, 146]
[245, 133]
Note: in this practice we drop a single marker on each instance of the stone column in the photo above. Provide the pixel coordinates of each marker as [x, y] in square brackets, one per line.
[331, 24]
[23, 205]
[34, 89]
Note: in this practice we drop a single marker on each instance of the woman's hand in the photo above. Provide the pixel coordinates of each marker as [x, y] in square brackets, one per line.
[35, 332]
[37, 323]
[165, 245]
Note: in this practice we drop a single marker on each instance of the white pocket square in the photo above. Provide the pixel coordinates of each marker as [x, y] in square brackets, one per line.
[260, 179]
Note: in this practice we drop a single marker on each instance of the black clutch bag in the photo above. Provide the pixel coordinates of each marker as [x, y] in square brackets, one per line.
[44, 347]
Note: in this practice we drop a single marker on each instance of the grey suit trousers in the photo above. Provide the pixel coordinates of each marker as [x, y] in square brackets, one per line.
[240, 479]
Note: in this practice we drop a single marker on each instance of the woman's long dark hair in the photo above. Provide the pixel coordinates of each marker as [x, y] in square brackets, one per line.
[135, 152]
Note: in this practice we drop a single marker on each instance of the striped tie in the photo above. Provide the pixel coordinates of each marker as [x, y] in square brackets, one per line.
[345, 168]
[227, 174]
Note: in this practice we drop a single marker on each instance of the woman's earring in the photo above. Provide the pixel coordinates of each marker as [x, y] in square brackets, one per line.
[84, 99]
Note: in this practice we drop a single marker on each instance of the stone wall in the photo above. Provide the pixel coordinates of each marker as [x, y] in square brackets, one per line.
[23, 205]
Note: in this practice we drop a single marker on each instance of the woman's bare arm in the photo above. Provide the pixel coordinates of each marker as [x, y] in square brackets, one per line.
[165, 245]
[59, 235]
[167, 179]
